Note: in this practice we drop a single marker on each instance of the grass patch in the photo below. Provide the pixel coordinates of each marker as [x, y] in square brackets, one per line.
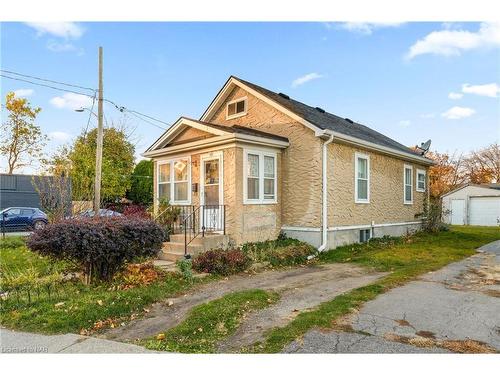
[405, 258]
[211, 322]
[15, 258]
[73, 306]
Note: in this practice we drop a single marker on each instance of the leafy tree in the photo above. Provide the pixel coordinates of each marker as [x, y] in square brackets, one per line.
[21, 139]
[141, 189]
[79, 161]
[446, 174]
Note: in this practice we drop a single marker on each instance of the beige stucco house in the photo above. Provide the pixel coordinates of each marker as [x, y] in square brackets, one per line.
[258, 162]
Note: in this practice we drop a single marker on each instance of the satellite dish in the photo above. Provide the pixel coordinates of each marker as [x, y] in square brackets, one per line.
[424, 147]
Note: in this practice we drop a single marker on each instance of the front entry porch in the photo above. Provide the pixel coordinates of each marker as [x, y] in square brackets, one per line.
[192, 230]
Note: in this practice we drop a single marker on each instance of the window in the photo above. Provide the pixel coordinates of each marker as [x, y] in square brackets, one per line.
[362, 176]
[408, 184]
[236, 108]
[260, 177]
[174, 180]
[365, 235]
[421, 180]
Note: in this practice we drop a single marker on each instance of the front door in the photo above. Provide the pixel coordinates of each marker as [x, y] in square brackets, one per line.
[211, 188]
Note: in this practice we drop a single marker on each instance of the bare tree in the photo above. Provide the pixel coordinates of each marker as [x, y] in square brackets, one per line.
[483, 166]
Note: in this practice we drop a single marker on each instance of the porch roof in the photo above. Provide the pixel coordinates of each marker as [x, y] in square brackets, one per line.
[222, 134]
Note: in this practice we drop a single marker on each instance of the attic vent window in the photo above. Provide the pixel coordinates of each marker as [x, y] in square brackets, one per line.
[236, 108]
[320, 110]
[284, 96]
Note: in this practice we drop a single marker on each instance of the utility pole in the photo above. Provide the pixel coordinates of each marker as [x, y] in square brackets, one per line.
[98, 156]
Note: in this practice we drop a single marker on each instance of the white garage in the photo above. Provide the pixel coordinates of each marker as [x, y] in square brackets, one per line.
[473, 205]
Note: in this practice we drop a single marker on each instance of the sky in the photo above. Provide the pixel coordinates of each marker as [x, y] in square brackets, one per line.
[409, 81]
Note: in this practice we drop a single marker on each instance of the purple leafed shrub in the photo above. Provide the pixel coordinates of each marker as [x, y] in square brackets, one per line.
[221, 262]
[102, 245]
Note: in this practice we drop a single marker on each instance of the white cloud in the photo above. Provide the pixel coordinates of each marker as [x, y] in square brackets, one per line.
[68, 30]
[490, 89]
[367, 28]
[71, 101]
[60, 136]
[306, 78]
[60, 47]
[23, 93]
[451, 42]
[456, 113]
[455, 95]
[405, 123]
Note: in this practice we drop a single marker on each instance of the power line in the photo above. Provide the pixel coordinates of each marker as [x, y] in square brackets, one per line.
[44, 85]
[47, 80]
[147, 121]
[136, 114]
[132, 111]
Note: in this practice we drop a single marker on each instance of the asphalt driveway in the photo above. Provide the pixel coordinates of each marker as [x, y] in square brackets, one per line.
[455, 309]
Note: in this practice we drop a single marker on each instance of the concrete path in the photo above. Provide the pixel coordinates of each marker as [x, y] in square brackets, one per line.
[300, 289]
[444, 309]
[21, 342]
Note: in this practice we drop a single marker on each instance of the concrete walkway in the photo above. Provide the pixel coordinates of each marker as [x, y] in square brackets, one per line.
[21, 342]
[443, 309]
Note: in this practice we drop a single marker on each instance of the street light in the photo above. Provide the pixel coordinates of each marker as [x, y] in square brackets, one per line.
[83, 109]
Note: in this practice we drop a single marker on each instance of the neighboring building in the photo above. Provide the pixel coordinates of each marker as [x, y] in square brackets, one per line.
[473, 204]
[18, 190]
[267, 163]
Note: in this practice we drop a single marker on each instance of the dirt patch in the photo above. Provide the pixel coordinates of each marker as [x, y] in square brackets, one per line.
[426, 334]
[492, 293]
[300, 289]
[403, 323]
[457, 346]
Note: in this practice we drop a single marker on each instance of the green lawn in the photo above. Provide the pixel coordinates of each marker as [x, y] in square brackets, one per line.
[73, 306]
[405, 258]
[211, 322]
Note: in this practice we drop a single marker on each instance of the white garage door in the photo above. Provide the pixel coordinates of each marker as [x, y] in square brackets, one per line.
[484, 211]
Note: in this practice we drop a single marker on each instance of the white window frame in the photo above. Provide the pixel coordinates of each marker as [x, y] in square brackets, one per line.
[172, 182]
[357, 156]
[406, 167]
[419, 173]
[261, 155]
[236, 115]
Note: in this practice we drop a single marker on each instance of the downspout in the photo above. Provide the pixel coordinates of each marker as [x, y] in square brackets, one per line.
[324, 204]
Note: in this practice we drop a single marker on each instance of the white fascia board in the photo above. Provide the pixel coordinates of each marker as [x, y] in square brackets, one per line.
[376, 147]
[218, 140]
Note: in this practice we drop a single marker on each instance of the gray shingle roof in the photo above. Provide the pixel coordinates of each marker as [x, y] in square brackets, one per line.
[325, 120]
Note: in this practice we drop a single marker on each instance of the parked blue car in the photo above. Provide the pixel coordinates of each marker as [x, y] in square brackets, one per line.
[22, 218]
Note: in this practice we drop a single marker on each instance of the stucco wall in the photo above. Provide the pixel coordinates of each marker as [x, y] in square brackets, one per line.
[386, 189]
[301, 161]
[244, 223]
[190, 134]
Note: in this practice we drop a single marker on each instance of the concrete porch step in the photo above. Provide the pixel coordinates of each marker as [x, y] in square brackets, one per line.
[214, 239]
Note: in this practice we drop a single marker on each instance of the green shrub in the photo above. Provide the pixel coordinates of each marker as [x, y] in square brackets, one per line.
[222, 262]
[283, 251]
[185, 267]
[290, 255]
